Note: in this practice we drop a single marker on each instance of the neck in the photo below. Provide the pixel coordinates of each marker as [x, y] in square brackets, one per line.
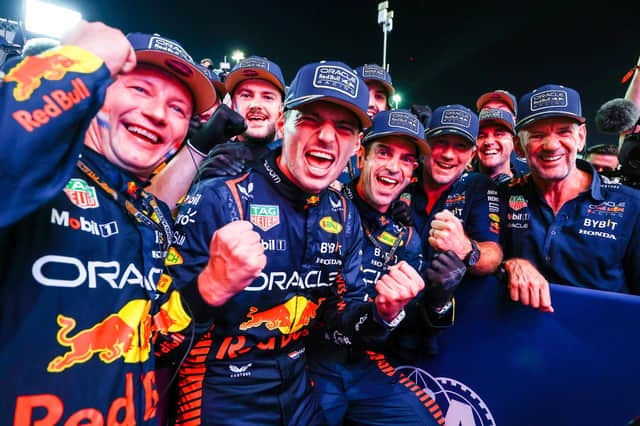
[495, 171]
[557, 192]
[361, 194]
[433, 193]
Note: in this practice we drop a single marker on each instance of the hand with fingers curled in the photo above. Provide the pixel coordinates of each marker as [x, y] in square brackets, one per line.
[401, 212]
[223, 124]
[236, 258]
[444, 275]
[108, 43]
[527, 285]
[396, 288]
[447, 233]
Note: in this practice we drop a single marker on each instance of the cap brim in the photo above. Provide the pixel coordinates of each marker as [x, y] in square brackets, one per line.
[420, 144]
[548, 114]
[503, 123]
[362, 116]
[450, 131]
[482, 100]
[204, 95]
[241, 74]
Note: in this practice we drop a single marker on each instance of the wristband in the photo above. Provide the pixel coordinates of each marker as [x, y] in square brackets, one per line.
[443, 309]
[394, 322]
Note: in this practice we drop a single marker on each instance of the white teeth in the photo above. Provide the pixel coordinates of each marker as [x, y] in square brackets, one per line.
[387, 180]
[321, 155]
[553, 158]
[142, 132]
[445, 166]
[490, 152]
[256, 117]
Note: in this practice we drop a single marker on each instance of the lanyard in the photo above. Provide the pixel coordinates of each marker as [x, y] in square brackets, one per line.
[388, 255]
[157, 221]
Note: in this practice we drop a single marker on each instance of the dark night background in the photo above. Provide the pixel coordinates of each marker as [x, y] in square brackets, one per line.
[439, 52]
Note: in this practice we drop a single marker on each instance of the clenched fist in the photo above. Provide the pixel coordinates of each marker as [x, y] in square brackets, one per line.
[236, 258]
[447, 233]
[106, 42]
[396, 288]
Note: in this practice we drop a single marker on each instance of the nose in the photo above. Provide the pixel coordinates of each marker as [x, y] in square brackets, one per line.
[393, 165]
[551, 142]
[156, 111]
[327, 132]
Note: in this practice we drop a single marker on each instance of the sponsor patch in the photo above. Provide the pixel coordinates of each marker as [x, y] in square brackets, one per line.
[81, 194]
[517, 202]
[159, 43]
[548, 99]
[330, 225]
[164, 282]
[404, 120]
[264, 216]
[455, 116]
[387, 238]
[373, 71]
[51, 65]
[336, 78]
[173, 257]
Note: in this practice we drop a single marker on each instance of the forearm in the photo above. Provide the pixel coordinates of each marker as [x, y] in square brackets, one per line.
[174, 180]
[490, 257]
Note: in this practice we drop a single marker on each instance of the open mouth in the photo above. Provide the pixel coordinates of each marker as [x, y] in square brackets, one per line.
[490, 152]
[253, 117]
[550, 158]
[387, 182]
[144, 134]
[445, 166]
[319, 159]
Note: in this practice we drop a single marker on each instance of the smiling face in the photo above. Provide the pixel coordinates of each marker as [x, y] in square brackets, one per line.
[377, 98]
[145, 114]
[495, 144]
[551, 146]
[318, 140]
[259, 103]
[388, 165]
[446, 159]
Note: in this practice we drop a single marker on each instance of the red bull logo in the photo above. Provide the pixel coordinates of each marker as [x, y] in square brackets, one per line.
[289, 317]
[51, 65]
[49, 409]
[125, 334]
[55, 104]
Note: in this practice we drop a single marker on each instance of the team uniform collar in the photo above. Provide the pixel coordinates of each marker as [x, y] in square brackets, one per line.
[368, 214]
[268, 167]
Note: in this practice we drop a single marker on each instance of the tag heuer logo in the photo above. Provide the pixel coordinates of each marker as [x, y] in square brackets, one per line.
[81, 194]
[265, 216]
[517, 202]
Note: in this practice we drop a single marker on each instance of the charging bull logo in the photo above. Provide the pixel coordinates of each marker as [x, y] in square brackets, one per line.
[289, 317]
[125, 334]
[52, 65]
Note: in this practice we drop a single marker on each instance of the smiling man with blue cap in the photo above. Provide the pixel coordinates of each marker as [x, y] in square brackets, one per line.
[268, 252]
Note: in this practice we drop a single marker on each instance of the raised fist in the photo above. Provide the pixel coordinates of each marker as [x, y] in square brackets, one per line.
[236, 258]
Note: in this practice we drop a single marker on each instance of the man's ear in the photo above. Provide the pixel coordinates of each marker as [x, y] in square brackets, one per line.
[582, 134]
[280, 124]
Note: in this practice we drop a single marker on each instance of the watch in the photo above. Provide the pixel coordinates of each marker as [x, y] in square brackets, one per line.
[474, 255]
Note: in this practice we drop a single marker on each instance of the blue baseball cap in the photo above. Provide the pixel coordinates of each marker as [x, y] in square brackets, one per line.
[397, 122]
[499, 116]
[221, 89]
[255, 67]
[498, 95]
[169, 55]
[550, 100]
[333, 82]
[373, 72]
[454, 119]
